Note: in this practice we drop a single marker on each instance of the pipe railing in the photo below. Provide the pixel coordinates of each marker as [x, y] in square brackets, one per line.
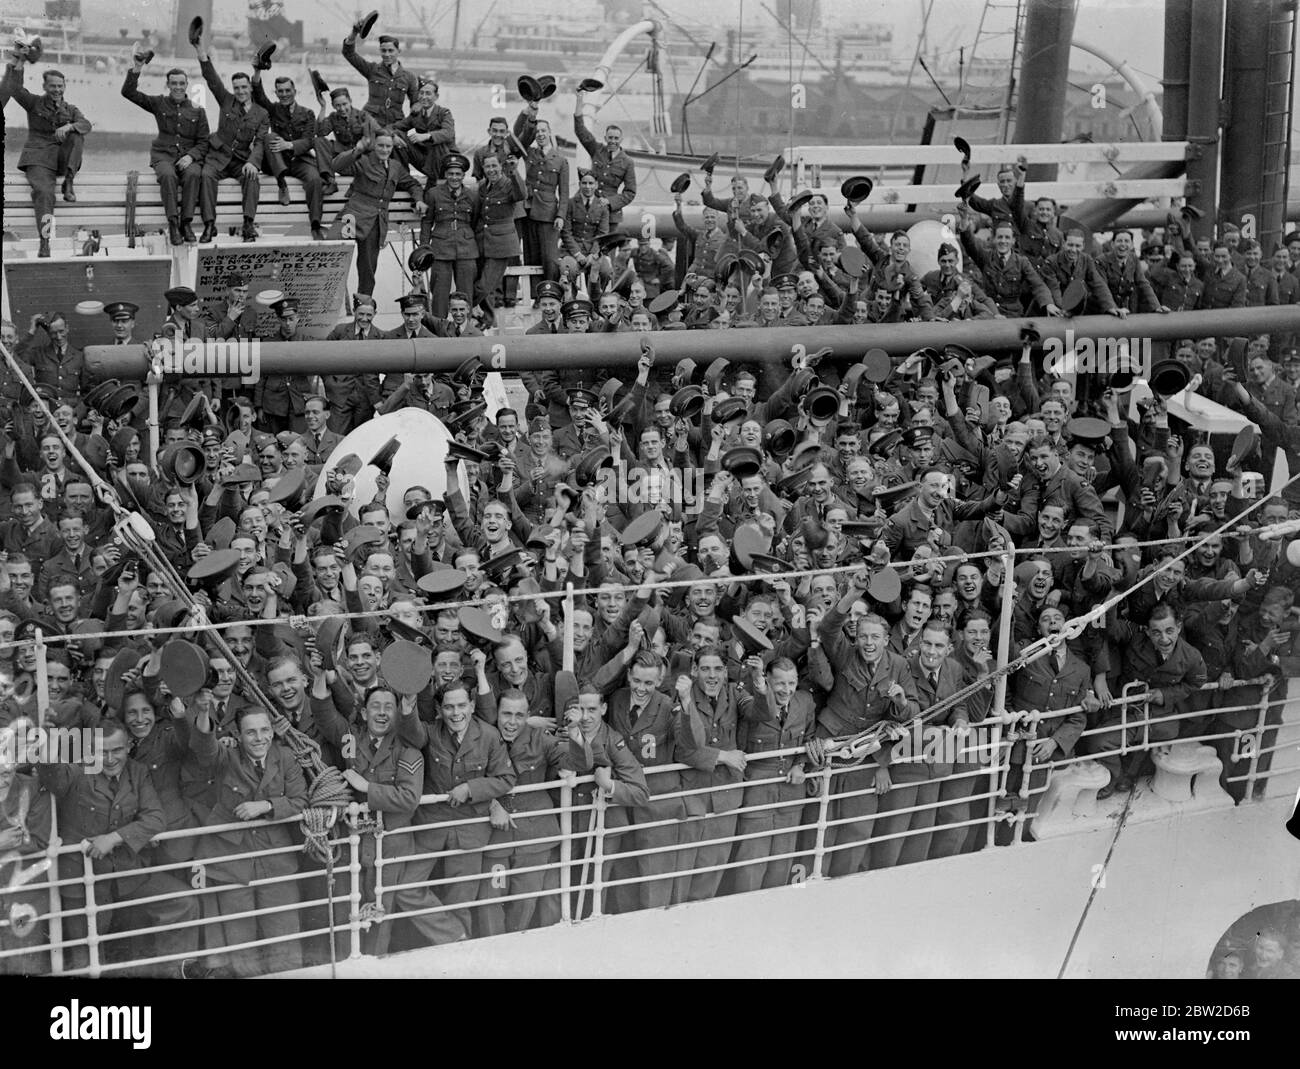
[594, 876]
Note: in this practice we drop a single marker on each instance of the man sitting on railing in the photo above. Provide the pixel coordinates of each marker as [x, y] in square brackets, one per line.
[255, 781]
[114, 813]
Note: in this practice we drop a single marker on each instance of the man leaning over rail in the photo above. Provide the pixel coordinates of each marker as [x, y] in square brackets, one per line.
[871, 685]
[465, 760]
[1160, 658]
[257, 780]
[114, 813]
[596, 750]
[775, 716]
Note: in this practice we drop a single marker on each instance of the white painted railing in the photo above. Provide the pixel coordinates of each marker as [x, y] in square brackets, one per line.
[581, 862]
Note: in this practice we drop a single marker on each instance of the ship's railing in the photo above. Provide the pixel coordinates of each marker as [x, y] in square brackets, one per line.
[66, 920]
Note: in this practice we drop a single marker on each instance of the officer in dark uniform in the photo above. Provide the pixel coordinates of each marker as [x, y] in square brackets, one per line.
[550, 298]
[427, 136]
[347, 126]
[289, 149]
[500, 192]
[122, 315]
[55, 137]
[450, 226]
[232, 316]
[615, 173]
[177, 153]
[546, 174]
[389, 83]
[377, 175]
[57, 364]
[586, 218]
[1126, 277]
[235, 149]
[281, 399]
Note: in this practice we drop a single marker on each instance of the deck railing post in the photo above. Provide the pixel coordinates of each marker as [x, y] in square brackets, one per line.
[92, 910]
[566, 850]
[354, 881]
[823, 815]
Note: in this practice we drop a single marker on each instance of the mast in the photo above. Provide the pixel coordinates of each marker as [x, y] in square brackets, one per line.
[1044, 73]
[455, 27]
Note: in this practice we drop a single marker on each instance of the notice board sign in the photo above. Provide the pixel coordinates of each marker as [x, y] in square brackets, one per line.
[63, 283]
[313, 272]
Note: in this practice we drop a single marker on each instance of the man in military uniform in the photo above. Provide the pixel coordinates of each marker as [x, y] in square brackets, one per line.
[1261, 287]
[546, 173]
[377, 175]
[289, 147]
[1179, 290]
[1007, 273]
[498, 144]
[586, 219]
[351, 398]
[57, 364]
[1059, 680]
[466, 761]
[1074, 272]
[426, 137]
[280, 399]
[708, 243]
[1041, 238]
[499, 193]
[389, 85]
[347, 125]
[654, 267]
[56, 133]
[122, 315]
[235, 149]
[579, 434]
[116, 812]
[1126, 276]
[231, 315]
[1225, 286]
[956, 295]
[613, 168]
[766, 233]
[177, 153]
[550, 298]
[1158, 656]
[450, 226]
[1009, 205]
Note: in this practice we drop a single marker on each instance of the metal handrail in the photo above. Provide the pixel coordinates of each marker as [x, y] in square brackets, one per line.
[598, 880]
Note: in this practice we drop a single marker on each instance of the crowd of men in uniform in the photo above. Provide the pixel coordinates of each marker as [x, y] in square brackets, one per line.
[845, 471]
[892, 490]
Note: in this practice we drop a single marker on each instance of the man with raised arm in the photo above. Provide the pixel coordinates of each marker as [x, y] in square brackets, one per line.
[56, 132]
[235, 149]
[614, 170]
[177, 153]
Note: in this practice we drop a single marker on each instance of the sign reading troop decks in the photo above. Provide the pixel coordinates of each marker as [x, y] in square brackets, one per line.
[313, 275]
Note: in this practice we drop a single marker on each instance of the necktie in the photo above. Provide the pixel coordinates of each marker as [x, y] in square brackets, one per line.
[258, 765]
[934, 681]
